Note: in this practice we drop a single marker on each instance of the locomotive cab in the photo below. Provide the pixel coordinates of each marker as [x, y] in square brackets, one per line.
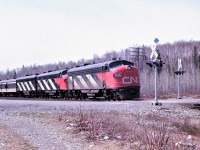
[122, 79]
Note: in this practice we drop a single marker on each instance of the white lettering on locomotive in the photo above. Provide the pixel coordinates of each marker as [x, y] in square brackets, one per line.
[129, 80]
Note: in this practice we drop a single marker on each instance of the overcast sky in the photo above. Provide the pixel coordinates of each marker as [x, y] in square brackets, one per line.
[48, 31]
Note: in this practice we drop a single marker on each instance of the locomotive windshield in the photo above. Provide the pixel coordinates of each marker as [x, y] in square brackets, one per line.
[120, 63]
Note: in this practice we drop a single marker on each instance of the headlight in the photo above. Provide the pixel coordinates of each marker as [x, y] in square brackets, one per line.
[117, 75]
[129, 67]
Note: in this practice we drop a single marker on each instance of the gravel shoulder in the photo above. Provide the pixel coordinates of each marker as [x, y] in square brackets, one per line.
[39, 134]
[34, 125]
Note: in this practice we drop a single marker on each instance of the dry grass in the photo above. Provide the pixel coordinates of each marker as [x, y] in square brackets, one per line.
[187, 127]
[135, 131]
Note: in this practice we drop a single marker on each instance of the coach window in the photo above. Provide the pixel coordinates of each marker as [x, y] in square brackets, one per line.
[6, 86]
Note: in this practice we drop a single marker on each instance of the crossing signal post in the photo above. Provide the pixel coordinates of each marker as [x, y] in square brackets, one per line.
[155, 62]
[178, 73]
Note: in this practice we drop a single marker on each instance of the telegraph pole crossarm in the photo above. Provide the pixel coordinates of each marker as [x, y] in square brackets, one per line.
[137, 54]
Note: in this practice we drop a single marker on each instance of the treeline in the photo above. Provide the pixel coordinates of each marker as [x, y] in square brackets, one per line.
[189, 52]
[38, 69]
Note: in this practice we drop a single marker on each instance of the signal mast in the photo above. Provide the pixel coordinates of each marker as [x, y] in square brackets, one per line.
[178, 73]
[156, 62]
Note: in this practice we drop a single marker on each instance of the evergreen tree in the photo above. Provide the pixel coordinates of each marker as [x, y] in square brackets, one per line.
[195, 57]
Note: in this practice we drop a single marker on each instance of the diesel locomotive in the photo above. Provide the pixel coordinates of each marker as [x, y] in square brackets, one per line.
[116, 79]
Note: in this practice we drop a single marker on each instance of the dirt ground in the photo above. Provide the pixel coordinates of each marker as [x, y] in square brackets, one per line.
[37, 126]
[9, 140]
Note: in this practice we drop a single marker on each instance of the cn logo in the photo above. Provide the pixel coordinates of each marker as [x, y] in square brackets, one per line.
[129, 80]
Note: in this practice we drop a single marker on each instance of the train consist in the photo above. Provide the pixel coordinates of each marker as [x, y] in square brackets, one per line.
[116, 79]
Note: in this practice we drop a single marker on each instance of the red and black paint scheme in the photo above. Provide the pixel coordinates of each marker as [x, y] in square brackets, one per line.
[117, 79]
[52, 84]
